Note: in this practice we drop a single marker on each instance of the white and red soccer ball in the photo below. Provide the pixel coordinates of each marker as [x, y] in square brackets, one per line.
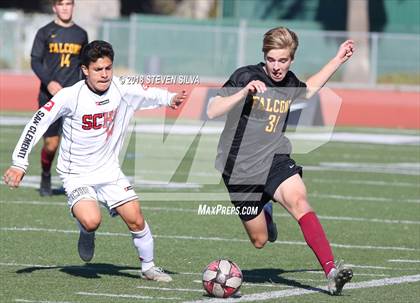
[222, 278]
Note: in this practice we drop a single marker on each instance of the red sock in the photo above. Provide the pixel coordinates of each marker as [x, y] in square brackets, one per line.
[46, 161]
[315, 237]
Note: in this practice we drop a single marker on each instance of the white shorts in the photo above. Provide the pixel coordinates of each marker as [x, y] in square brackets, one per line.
[111, 194]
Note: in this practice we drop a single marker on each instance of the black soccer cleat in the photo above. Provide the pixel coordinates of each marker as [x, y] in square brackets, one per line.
[45, 187]
[86, 245]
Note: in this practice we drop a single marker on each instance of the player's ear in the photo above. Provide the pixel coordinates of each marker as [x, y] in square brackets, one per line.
[84, 70]
[53, 6]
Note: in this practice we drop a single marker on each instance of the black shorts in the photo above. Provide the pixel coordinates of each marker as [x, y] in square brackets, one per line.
[257, 195]
[55, 129]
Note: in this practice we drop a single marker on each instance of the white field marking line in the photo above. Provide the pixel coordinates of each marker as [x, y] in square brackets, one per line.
[358, 274]
[31, 301]
[27, 265]
[190, 210]
[380, 267]
[171, 289]
[366, 182]
[186, 129]
[263, 284]
[193, 129]
[368, 247]
[250, 276]
[364, 199]
[224, 196]
[299, 292]
[269, 285]
[403, 261]
[98, 294]
[366, 170]
[33, 182]
[199, 274]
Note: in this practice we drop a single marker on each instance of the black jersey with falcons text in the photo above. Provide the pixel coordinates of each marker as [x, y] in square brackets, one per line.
[55, 56]
[254, 128]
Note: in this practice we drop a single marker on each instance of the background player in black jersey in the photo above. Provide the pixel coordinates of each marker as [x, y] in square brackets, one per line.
[253, 153]
[55, 59]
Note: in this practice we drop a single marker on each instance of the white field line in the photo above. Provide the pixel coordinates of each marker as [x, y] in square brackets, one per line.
[319, 272]
[217, 197]
[138, 297]
[364, 199]
[199, 274]
[322, 135]
[190, 210]
[366, 182]
[27, 265]
[263, 284]
[372, 267]
[354, 266]
[403, 261]
[311, 168]
[206, 197]
[172, 289]
[299, 292]
[349, 246]
[387, 171]
[32, 301]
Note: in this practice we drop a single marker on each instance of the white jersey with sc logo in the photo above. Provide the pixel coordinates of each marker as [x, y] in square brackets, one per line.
[93, 127]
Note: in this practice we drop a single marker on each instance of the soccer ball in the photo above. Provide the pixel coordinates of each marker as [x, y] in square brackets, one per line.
[222, 278]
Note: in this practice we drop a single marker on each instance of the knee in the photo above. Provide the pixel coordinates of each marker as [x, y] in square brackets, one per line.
[136, 225]
[50, 146]
[91, 224]
[259, 242]
[301, 206]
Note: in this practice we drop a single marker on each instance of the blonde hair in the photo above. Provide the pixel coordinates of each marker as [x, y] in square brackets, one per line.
[280, 38]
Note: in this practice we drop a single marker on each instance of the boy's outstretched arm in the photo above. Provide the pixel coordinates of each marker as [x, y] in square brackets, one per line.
[315, 82]
[12, 176]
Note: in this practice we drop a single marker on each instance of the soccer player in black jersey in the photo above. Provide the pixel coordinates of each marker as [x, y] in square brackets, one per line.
[254, 155]
[55, 59]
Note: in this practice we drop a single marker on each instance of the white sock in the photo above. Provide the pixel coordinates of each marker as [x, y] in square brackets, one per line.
[143, 242]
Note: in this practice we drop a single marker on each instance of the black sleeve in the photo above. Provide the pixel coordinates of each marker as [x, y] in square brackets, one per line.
[300, 87]
[235, 83]
[37, 56]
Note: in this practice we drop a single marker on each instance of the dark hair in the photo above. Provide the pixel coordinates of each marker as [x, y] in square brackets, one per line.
[55, 2]
[95, 50]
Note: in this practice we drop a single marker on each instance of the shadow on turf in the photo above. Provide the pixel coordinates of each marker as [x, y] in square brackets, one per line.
[91, 270]
[273, 275]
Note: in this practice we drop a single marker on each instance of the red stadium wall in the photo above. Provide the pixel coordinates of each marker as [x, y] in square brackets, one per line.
[360, 107]
[376, 108]
[18, 92]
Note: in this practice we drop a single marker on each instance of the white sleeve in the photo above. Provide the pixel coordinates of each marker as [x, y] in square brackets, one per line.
[36, 127]
[149, 98]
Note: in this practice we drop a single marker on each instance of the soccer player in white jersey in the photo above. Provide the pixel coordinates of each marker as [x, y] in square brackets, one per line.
[96, 113]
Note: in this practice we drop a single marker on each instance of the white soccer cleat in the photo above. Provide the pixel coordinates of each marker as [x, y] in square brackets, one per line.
[86, 246]
[156, 274]
[338, 277]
